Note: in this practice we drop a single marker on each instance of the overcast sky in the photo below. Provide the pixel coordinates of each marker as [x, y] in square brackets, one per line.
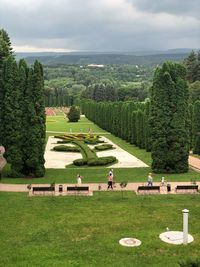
[101, 25]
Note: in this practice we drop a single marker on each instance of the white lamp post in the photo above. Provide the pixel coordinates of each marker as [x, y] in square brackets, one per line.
[185, 226]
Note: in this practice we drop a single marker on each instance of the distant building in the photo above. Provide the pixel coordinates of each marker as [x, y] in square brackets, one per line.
[95, 66]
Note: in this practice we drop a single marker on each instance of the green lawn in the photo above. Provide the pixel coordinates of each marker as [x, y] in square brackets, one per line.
[84, 231]
[61, 124]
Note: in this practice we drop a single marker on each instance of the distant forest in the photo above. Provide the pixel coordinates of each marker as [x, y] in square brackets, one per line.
[69, 78]
[107, 59]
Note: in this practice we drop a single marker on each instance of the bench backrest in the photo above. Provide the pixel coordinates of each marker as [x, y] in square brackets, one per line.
[153, 187]
[39, 189]
[187, 187]
[77, 188]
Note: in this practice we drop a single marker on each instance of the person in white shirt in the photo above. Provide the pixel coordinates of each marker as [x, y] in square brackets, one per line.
[79, 179]
[150, 180]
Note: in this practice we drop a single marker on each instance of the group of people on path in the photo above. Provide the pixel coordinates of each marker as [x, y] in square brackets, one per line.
[111, 176]
[110, 179]
[150, 180]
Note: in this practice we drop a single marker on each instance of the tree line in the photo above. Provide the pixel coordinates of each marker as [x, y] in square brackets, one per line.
[22, 113]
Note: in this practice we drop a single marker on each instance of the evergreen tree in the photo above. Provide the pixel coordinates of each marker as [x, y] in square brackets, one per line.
[74, 114]
[4, 53]
[12, 117]
[134, 128]
[198, 67]
[194, 89]
[140, 141]
[191, 65]
[35, 139]
[169, 119]
[190, 124]
[6, 38]
[196, 128]
[146, 127]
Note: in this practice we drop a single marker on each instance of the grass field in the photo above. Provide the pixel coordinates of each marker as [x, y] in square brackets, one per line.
[84, 231]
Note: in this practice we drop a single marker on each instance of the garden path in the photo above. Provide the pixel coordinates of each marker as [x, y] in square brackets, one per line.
[93, 186]
[194, 163]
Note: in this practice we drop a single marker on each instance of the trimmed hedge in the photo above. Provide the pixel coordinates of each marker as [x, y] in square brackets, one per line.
[93, 141]
[63, 142]
[87, 153]
[104, 147]
[80, 162]
[66, 148]
[103, 161]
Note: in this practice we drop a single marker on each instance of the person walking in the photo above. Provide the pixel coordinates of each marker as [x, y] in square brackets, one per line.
[150, 180]
[110, 179]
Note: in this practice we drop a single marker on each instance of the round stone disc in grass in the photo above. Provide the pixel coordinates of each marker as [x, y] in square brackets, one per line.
[174, 237]
[130, 242]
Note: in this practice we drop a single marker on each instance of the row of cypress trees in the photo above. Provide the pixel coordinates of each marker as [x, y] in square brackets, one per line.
[165, 125]
[22, 113]
[127, 120]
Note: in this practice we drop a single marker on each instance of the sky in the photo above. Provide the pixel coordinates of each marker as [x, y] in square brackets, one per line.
[101, 25]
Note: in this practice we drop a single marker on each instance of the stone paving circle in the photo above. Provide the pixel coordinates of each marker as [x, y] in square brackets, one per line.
[174, 237]
[130, 242]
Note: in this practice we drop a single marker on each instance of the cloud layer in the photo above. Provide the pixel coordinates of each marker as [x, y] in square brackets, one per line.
[102, 25]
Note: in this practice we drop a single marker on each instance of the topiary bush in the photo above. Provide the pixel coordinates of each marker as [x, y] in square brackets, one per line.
[74, 114]
[80, 162]
[104, 147]
[66, 148]
[63, 142]
[103, 161]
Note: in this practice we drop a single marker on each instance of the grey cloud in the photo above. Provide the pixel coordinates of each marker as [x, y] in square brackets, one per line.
[180, 7]
[100, 24]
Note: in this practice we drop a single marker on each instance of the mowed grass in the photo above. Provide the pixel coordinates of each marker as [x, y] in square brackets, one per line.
[85, 231]
[99, 175]
[61, 124]
[95, 174]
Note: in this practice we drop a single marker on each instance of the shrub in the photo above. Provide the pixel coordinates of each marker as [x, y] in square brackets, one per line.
[101, 161]
[80, 162]
[74, 114]
[104, 147]
[87, 153]
[91, 141]
[63, 142]
[67, 148]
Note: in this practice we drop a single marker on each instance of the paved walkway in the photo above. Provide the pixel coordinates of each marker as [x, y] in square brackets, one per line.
[194, 163]
[92, 186]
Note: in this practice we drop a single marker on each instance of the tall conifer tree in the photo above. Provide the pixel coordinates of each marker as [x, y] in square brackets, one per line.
[169, 119]
[12, 117]
[196, 128]
[5, 51]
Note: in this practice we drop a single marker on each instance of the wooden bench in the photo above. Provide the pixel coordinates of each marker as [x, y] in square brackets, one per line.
[43, 190]
[186, 189]
[82, 190]
[154, 189]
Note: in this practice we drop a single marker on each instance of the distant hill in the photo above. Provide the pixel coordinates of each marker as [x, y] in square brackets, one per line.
[81, 58]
